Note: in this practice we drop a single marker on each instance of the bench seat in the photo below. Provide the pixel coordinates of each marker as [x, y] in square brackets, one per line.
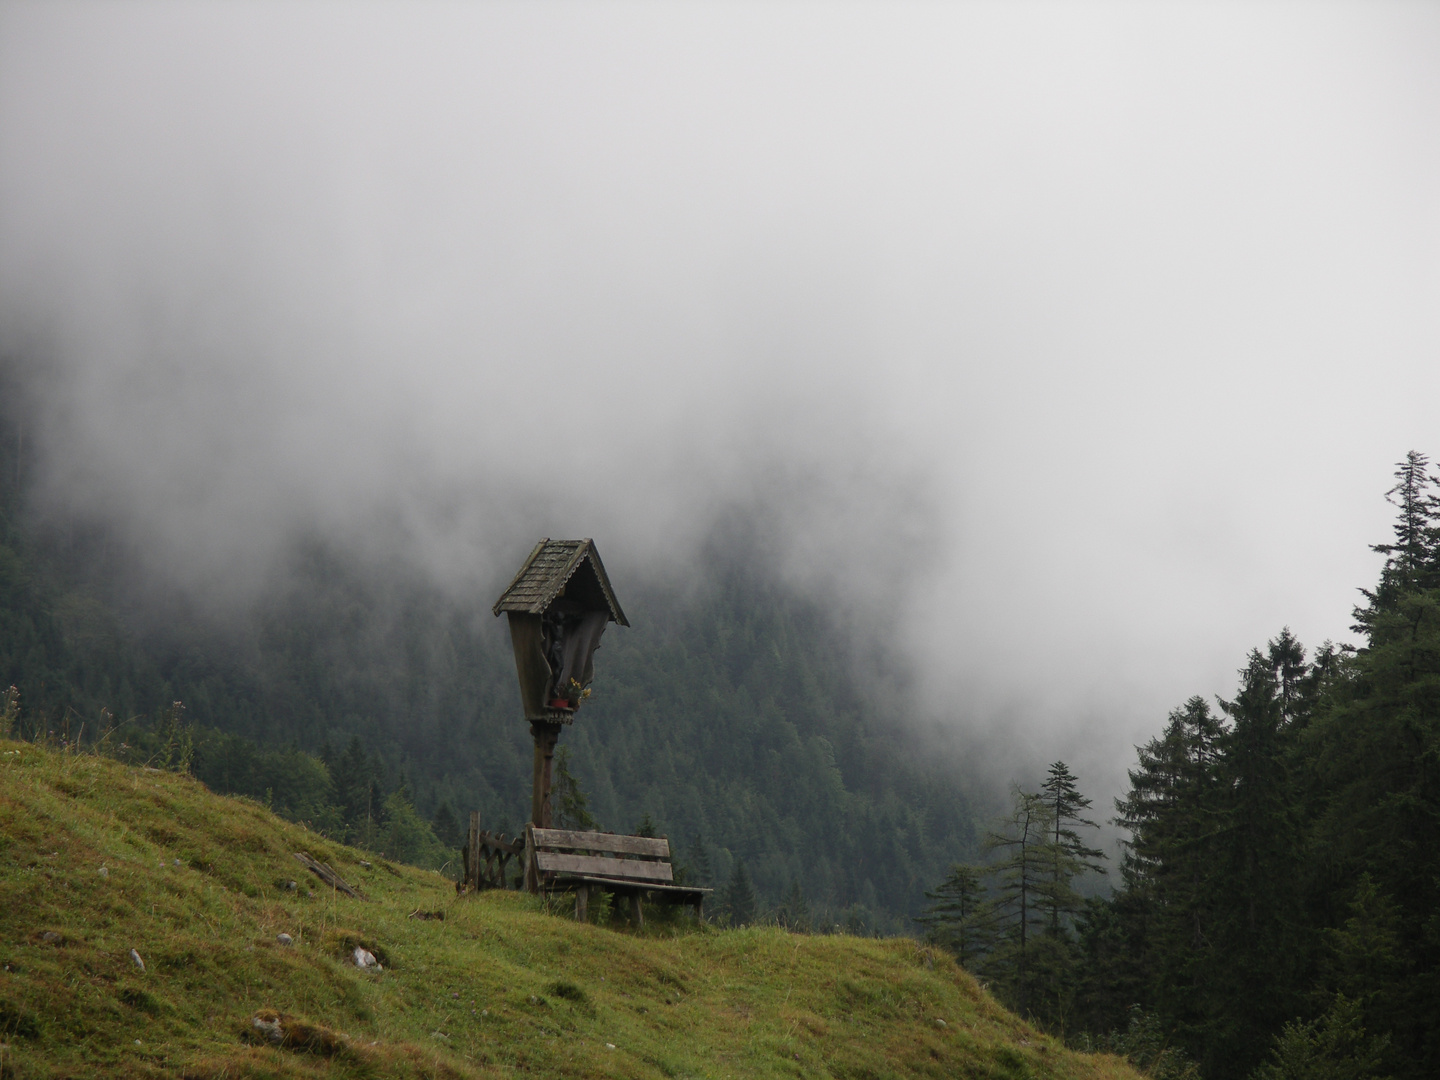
[564, 860]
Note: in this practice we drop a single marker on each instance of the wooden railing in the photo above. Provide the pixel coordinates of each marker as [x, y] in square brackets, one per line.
[486, 857]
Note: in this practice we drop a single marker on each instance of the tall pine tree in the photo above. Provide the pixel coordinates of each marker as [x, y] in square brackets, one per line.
[1375, 756]
[739, 903]
[1172, 889]
[1069, 856]
[1022, 886]
[959, 916]
[1261, 850]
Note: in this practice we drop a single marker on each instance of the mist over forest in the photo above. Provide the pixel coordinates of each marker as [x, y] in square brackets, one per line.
[1033, 328]
[737, 715]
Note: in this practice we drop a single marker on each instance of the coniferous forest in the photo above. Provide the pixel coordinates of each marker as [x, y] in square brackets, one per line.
[1274, 911]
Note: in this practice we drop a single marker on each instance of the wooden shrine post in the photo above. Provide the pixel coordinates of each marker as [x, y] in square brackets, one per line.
[472, 851]
[546, 735]
[558, 605]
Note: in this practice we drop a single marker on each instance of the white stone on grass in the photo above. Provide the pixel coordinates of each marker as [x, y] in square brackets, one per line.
[364, 958]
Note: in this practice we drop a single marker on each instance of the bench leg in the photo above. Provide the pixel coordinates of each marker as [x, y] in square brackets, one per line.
[582, 903]
[699, 910]
[636, 916]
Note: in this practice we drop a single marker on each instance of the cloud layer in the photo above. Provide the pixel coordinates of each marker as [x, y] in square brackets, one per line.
[1074, 341]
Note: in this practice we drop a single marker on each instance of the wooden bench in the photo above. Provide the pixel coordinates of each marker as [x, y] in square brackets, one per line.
[561, 860]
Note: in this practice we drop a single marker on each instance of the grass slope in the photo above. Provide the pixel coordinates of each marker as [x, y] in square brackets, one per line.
[196, 885]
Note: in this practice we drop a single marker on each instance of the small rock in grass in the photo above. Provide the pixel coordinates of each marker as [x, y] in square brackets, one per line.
[269, 1027]
[609, 1046]
[135, 959]
[365, 864]
[104, 871]
[284, 939]
[364, 958]
[291, 886]
[941, 1022]
[50, 937]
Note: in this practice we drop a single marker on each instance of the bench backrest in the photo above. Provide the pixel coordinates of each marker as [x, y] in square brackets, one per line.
[597, 854]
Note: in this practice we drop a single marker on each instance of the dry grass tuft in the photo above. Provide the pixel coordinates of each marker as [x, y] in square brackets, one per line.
[292, 1033]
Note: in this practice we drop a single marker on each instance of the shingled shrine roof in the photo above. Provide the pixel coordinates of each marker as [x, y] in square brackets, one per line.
[548, 570]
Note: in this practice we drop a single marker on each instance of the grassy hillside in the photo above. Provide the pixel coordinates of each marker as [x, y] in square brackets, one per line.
[100, 858]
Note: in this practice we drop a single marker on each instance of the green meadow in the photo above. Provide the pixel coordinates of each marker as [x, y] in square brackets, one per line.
[101, 858]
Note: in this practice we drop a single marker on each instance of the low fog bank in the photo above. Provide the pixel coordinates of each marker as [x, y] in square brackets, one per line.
[1063, 353]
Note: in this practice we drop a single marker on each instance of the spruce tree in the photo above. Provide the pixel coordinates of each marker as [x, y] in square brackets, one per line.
[1334, 1047]
[1366, 959]
[794, 913]
[740, 897]
[700, 868]
[447, 826]
[1374, 754]
[1261, 853]
[1173, 884]
[1417, 536]
[1069, 857]
[568, 801]
[1113, 971]
[1023, 885]
[960, 918]
[356, 778]
[1286, 657]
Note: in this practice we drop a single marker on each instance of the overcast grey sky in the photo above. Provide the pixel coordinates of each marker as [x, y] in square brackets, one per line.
[1082, 336]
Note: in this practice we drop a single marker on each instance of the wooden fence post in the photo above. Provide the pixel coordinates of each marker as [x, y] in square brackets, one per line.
[532, 873]
[465, 861]
[472, 852]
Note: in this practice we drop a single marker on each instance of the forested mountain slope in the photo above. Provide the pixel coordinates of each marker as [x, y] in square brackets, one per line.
[354, 690]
